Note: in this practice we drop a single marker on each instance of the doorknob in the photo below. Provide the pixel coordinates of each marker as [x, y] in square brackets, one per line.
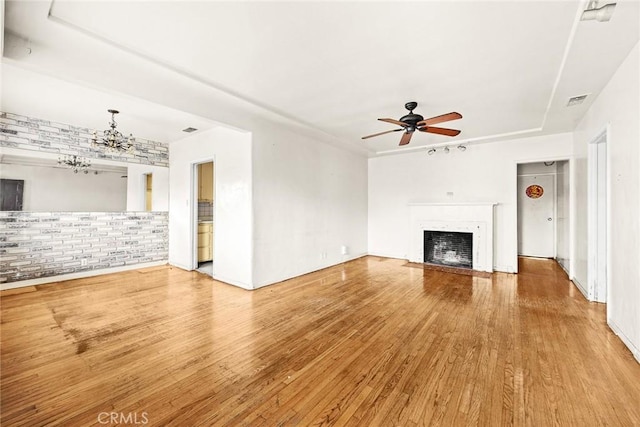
[549, 219]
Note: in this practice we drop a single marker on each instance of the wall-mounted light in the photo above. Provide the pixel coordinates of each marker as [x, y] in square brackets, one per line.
[462, 147]
[431, 151]
[446, 150]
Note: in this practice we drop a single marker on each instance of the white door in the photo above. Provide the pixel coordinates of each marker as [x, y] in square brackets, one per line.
[536, 215]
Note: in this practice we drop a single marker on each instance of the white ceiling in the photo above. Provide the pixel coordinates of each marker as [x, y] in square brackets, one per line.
[327, 68]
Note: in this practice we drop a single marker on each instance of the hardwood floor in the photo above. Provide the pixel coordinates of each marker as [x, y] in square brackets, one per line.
[371, 342]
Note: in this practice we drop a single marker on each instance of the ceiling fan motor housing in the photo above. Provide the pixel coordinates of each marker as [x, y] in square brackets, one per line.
[411, 119]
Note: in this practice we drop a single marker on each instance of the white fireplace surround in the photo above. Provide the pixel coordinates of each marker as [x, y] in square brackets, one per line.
[476, 218]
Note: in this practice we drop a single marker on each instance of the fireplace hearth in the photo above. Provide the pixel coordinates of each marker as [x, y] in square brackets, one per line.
[448, 248]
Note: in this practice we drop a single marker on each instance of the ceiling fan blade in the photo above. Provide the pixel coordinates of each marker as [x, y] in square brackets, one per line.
[395, 122]
[439, 119]
[406, 138]
[381, 133]
[441, 131]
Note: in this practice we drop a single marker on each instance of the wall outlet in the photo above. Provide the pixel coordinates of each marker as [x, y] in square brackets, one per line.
[344, 250]
[323, 255]
[83, 262]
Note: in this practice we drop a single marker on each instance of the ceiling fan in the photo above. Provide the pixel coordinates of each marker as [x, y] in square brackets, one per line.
[412, 122]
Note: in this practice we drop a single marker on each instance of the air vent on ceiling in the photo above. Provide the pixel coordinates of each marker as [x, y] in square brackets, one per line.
[576, 100]
[189, 130]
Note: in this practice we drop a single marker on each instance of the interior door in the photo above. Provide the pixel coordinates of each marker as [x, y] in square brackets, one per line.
[536, 216]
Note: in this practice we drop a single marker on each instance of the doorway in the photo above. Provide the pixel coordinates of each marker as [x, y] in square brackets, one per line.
[597, 222]
[537, 209]
[204, 200]
[148, 192]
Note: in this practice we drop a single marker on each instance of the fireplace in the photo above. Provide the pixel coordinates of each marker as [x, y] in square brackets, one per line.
[470, 219]
[452, 249]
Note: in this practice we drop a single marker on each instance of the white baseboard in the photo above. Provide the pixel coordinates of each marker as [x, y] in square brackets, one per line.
[180, 266]
[625, 339]
[387, 255]
[564, 269]
[216, 277]
[346, 259]
[581, 288]
[232, 282]
[503, 269]
[80, 275]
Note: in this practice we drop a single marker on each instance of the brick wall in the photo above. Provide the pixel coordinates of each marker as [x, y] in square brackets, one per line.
[43, 244]
[30, 133]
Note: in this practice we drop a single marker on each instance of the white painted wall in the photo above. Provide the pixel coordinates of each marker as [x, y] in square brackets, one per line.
[563, 201]
[231, 151]
[309, 200]
[537, 168]
[482, 173]
[618, 106]
[51, 189]
[136, 187]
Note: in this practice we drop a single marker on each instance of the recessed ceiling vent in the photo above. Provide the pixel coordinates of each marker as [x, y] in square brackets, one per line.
[595, 13]
[189, 130]
[576, 100]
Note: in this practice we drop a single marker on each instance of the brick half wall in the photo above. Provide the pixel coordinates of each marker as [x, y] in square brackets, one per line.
[43, 244]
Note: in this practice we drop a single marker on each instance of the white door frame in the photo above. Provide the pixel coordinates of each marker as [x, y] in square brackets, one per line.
[598, 270]
[572, 204]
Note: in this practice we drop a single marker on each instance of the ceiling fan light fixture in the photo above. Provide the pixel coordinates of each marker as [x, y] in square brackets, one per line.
[595, 13]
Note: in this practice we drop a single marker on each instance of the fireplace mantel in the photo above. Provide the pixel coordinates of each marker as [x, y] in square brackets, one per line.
[472, 217]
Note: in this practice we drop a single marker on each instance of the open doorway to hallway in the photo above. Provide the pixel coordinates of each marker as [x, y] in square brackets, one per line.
[204, 208]
[544, 211]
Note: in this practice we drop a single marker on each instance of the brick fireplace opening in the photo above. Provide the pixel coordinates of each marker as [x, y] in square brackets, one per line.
[448, 248]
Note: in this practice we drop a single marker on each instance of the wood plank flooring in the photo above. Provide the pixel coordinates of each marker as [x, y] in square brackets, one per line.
[373, 342]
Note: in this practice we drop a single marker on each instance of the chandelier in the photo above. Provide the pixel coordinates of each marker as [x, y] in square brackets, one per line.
[112, 139]
[75, 163]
